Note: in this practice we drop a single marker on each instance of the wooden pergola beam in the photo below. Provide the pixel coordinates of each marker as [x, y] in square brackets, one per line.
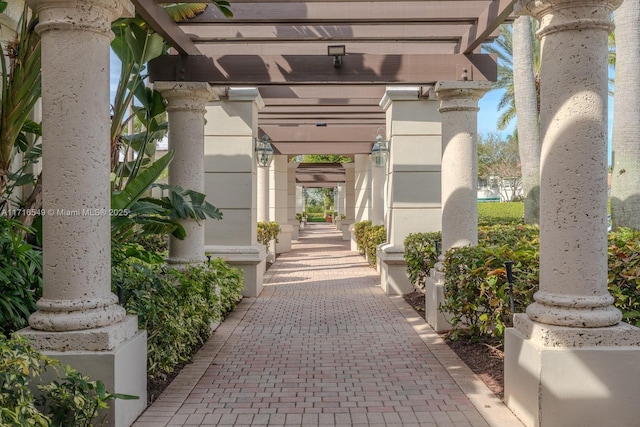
[157, 18]
[303, 70]
[488, 23]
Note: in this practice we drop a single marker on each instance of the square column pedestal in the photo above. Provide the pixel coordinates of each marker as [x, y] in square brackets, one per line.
[393, 270]
[434, 296]
[122, 368]
[231, 184]
[562, 377]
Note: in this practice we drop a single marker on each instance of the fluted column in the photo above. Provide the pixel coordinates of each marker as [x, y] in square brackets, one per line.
[459, 112]
[186, 109]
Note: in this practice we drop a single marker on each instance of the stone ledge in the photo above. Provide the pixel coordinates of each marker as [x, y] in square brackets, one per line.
[99, 339]
[237, 254]
[620, 335]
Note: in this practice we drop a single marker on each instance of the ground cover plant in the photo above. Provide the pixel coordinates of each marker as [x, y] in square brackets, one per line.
[71, 399]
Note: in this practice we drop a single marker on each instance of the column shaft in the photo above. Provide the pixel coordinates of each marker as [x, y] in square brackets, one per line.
[263, 194]
[573, 184]
[186, 109]
[459, 109]
[75, 103]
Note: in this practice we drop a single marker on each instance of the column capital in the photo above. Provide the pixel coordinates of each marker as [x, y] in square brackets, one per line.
[401, 93]
[245, 94]
[87, 15]
[460, 95]
[186, 96]
[569, 15]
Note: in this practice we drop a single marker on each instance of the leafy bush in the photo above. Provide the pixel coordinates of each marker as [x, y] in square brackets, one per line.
[73, 400]
[376, 235]
[420, 256]
[20, 276]
[476, 287]
[624, 273]
[368, 237]
[268, 231]
[176, 307]
[500, 213]
[360, 230]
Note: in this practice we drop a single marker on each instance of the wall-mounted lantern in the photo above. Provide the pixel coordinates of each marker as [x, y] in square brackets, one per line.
[379, 152]
[264, 152]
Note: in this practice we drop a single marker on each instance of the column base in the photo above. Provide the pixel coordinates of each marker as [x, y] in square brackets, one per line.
[295, 230]
[122, 369]
[250, 259]
[347, 228]
[563, 376]
[182, 263]
[284, 239]
[434, 296]
[393, 270]
[352, 237]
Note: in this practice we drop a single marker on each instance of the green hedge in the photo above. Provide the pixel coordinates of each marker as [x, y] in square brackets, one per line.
[268, 231]
[476, 287]
[368, 237]
[500, 212]
[177, 307]
[420, 256]
[476, 291]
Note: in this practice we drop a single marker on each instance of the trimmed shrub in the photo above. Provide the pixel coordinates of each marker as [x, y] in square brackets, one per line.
[420, 256]
[624, 273]
[360, 230]
[375, 236]
[500, 213]
[177, 307]
[268, 231]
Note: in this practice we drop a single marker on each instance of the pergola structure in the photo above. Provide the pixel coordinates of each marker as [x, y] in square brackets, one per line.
[311, 106]
[413, 68]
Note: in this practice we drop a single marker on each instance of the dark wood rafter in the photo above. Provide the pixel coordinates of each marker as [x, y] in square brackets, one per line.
[264, 70]
[280, 46]
[157, 18]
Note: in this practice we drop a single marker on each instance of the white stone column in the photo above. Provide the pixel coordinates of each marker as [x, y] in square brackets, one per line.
[568, 361]
[278, 210]
[459, 113]
[186, 108]
[349, 199]
[263, 193]
[362, 187]
[291, 201]
[231, 184]
[378, 175]
[413, 179]
[79, 320]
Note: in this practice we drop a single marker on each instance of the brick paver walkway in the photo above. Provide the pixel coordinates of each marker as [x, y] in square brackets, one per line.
[323, 345]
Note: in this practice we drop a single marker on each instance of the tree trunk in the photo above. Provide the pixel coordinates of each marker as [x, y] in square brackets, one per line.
[625, 185]
[526, 101]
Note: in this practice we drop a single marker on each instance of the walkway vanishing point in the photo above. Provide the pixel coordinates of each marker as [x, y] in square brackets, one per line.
[324, 346]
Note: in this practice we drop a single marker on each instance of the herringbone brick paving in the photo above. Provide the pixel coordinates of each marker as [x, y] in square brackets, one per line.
[323, 346]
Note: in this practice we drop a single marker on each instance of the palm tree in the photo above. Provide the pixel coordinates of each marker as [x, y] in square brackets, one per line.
[625, 185]
[518, 52]
[526, 100]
